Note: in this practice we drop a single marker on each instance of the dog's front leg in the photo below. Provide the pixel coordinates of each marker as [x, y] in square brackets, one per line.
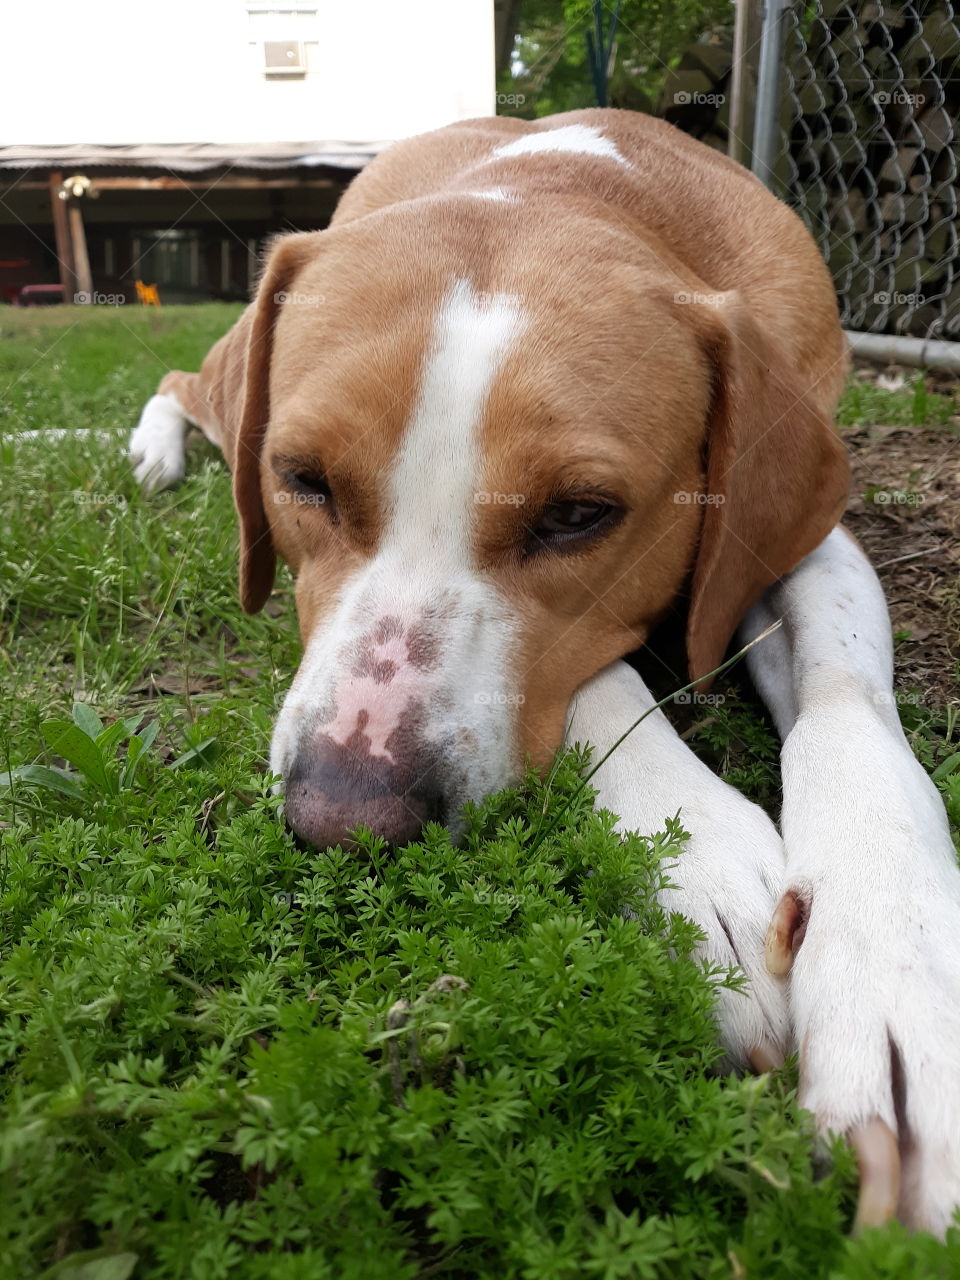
[869, 926]
[730, 873]
[157, 445]
[156, 449]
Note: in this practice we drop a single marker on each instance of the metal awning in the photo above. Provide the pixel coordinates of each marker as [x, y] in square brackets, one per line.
[196, 157]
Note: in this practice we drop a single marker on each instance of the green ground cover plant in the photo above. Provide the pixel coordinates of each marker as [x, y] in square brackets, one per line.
[224, 1054]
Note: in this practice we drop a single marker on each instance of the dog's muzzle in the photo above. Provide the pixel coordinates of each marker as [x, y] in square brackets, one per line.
[334, 787]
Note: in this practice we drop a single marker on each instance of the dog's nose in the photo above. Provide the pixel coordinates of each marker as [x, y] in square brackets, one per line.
[330, 791]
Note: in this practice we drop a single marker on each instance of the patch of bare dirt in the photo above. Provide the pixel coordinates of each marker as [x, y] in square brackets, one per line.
[905, 510]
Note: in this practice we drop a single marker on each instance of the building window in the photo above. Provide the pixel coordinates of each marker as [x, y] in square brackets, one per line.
[282, 34]
[283, 58]
[169, 258]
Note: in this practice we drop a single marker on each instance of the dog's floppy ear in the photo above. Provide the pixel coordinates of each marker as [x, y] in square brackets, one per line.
[777, 477]
[247, 410]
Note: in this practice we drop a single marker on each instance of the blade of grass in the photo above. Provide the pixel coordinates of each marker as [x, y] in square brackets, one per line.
[585, 781]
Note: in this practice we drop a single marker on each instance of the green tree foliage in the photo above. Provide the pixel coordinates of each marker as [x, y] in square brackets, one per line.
[549, 70]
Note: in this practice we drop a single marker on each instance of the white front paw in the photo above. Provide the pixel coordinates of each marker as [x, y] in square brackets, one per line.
[875, 1000]
[156, 447]
[728, 880]
[730, 872]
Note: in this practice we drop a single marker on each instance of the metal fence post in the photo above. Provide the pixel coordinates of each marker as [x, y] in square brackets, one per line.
[746, 34]
[766, 125]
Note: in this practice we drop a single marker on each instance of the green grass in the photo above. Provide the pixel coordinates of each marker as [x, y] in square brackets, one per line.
[864, 403]
[199, 1068]
[100, 588]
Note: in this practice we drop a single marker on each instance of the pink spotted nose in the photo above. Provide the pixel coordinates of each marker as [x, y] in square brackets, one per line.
[334, 786]
[367, 762]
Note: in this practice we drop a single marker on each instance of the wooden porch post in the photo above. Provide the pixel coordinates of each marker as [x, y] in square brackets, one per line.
[61, 229]
[81, 262]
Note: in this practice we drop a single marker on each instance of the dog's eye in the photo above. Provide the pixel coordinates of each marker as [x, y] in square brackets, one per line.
[560, 523]
[566, 517]
[308, 488]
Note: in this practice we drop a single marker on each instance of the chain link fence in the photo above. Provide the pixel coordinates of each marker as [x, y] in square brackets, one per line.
[850, 111]
[866, 149]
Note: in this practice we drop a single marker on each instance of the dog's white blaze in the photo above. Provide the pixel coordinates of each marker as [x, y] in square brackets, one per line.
[580, 139]
[433, 489]
[424, 573]
[498, 194]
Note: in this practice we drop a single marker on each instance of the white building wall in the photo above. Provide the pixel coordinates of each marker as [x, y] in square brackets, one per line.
[141, 71]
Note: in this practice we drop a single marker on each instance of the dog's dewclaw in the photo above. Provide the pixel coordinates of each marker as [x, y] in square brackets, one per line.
[785, 934]
[878, 1156]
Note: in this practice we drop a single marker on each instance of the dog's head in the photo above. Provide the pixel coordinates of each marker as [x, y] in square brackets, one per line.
[491, 471]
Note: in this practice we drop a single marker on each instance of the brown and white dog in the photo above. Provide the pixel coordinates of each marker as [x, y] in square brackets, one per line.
[535, 382]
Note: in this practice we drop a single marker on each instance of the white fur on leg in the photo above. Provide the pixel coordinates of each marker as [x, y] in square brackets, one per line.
[875, 984]
[730, 873]
[156, 447]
